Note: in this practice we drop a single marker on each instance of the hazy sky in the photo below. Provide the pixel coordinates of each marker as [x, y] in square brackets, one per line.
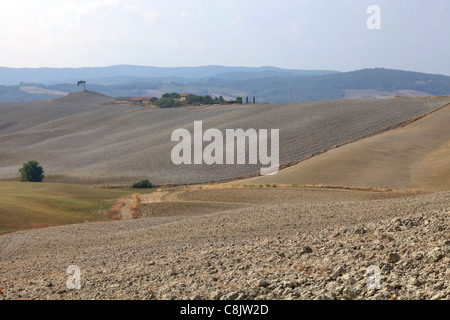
[300, 34]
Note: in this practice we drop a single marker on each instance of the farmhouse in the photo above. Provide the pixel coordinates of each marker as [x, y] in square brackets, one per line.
[186, 96]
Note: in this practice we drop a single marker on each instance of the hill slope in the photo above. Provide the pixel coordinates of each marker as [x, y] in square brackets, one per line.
[98, 144]
[416, 156]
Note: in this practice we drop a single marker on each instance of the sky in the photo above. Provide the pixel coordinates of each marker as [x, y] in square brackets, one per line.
[298, 34]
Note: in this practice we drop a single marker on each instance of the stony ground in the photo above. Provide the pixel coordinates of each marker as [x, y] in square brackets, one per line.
[294, 250]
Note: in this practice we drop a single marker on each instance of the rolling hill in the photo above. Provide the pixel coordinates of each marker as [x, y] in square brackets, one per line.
[413, 157]
[267, 84]
[273, 243]
[95, 143]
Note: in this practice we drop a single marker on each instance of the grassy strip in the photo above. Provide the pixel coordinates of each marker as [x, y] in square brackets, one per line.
[37, 205]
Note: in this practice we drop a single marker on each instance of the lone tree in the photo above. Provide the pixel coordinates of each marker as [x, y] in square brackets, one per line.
[82, 82]
[31, 172]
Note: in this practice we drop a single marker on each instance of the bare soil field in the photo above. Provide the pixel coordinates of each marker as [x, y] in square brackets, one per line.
[291, 250]
[241, 240]
[37, 90]
[283, 194]
[416, 156]
[373, 93]
[189, 201]
[102, 144]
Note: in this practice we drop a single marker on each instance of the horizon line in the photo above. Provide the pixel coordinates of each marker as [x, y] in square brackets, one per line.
[218, 65]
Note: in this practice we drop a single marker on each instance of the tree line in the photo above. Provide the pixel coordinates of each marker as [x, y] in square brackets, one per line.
[169, 100]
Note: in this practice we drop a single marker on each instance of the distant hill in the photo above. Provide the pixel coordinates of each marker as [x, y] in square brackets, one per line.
[129, 73]
[267, 84]
[334, 86]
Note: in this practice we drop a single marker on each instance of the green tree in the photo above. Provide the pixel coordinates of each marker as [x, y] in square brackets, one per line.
[164, 102]
[82, 82]
[143, 184]
[167, 103]
[239, 100]
[221, 99]
[207, 99]
[190, 99]
[198, 99]
[172, 95]
[31, 172]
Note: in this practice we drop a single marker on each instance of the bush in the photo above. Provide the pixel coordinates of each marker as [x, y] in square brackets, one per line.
[31, 172]
[167, 103]
[144, 184]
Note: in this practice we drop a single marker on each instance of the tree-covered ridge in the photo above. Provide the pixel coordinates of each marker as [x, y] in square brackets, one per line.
[169, 100]
[274, 89]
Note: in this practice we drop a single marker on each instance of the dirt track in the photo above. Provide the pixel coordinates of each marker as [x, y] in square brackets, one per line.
[188, 201]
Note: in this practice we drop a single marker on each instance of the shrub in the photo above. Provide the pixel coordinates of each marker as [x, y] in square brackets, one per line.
[31, 172]
[144, 184]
